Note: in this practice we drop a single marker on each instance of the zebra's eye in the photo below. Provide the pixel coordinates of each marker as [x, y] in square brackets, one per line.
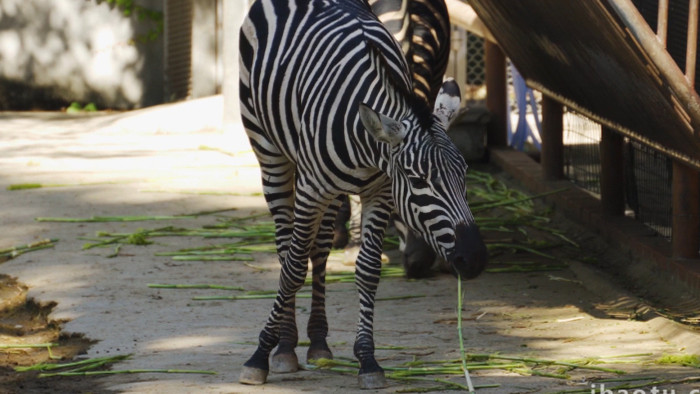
[436, 178]
[418, 182]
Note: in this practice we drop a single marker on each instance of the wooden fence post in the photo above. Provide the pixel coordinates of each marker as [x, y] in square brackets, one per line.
[685, 236]
[552, 157]
[612, 190]
[496, 98]
[685, 241]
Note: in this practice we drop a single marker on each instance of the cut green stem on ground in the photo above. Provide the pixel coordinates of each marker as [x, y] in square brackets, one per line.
[245, 297]
[193, 286]
[14, 251]
[127, 371]
[135, 218]
[460, 298]
[91, 361]
[88, 368]
[27, 345]
[490, 205]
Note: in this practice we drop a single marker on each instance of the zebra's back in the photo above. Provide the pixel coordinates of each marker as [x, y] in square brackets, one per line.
[306, 66]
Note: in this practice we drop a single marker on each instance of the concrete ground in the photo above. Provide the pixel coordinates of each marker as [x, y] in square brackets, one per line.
[168, 160]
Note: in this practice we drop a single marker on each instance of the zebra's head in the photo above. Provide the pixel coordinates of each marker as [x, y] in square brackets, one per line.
[428, 181]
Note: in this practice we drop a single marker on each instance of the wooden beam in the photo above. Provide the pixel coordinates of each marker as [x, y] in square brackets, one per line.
[496, 98]
[463, 15]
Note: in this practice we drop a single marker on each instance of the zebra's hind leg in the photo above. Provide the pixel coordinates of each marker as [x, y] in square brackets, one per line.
[340, 231]
[317, 328]
[308, 211]
[278, 186]
[285, 360]
[418, 256]
[292, 276]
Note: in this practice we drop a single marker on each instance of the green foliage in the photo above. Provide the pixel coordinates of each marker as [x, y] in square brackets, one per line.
[138, 238]
[76, 107]
[24, 186]
[689, 360]
[128, 9]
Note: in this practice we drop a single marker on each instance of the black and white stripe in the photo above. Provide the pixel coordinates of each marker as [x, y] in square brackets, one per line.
[422, 27]
[327, 103]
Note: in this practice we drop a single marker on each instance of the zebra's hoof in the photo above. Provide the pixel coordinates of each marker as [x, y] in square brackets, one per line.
[250, 375]
[372, 380]
[284, 363]
[317, 354]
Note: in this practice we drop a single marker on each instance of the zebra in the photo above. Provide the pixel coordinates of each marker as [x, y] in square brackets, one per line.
[327, 106]
[422, 27]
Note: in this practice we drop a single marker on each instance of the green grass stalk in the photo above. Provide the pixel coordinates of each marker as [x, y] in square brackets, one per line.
[528, 372]
[193, 286]
[28, 345]
[405, 297]
[126, 371]
[19, 248]
[245, 297]
[496, 246]
[109, 219]
[452, 385]
[213, 258]
[490, 205]
[81, 363]
[528, 360]
[14, 251]
[460, 297]
[26, 186]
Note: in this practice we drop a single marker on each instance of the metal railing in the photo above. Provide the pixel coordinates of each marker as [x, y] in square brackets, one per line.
[674, 76]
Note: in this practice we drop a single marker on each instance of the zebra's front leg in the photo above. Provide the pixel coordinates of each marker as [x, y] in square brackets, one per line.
[285, 360]
[368, 268]
[317, 328]
[308, 209]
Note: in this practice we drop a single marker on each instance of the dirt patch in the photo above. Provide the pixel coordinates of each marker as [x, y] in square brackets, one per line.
[24, 322]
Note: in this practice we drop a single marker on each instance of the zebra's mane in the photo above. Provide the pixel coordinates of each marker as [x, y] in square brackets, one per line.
[417, 104]
[423, 112]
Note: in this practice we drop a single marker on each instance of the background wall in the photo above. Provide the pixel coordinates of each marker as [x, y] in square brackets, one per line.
[234, 11]
[53, 52]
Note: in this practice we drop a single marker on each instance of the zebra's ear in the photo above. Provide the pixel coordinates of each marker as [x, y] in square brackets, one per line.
[382, 128]
[447, 101]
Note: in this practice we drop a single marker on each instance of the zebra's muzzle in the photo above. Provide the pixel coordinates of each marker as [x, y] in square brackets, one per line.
[469, 257]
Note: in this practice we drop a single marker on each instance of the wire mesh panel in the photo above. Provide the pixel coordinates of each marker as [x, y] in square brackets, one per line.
[582, 151]
[476, 69]
[178, 49]
[648, 176]
[648, 173]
